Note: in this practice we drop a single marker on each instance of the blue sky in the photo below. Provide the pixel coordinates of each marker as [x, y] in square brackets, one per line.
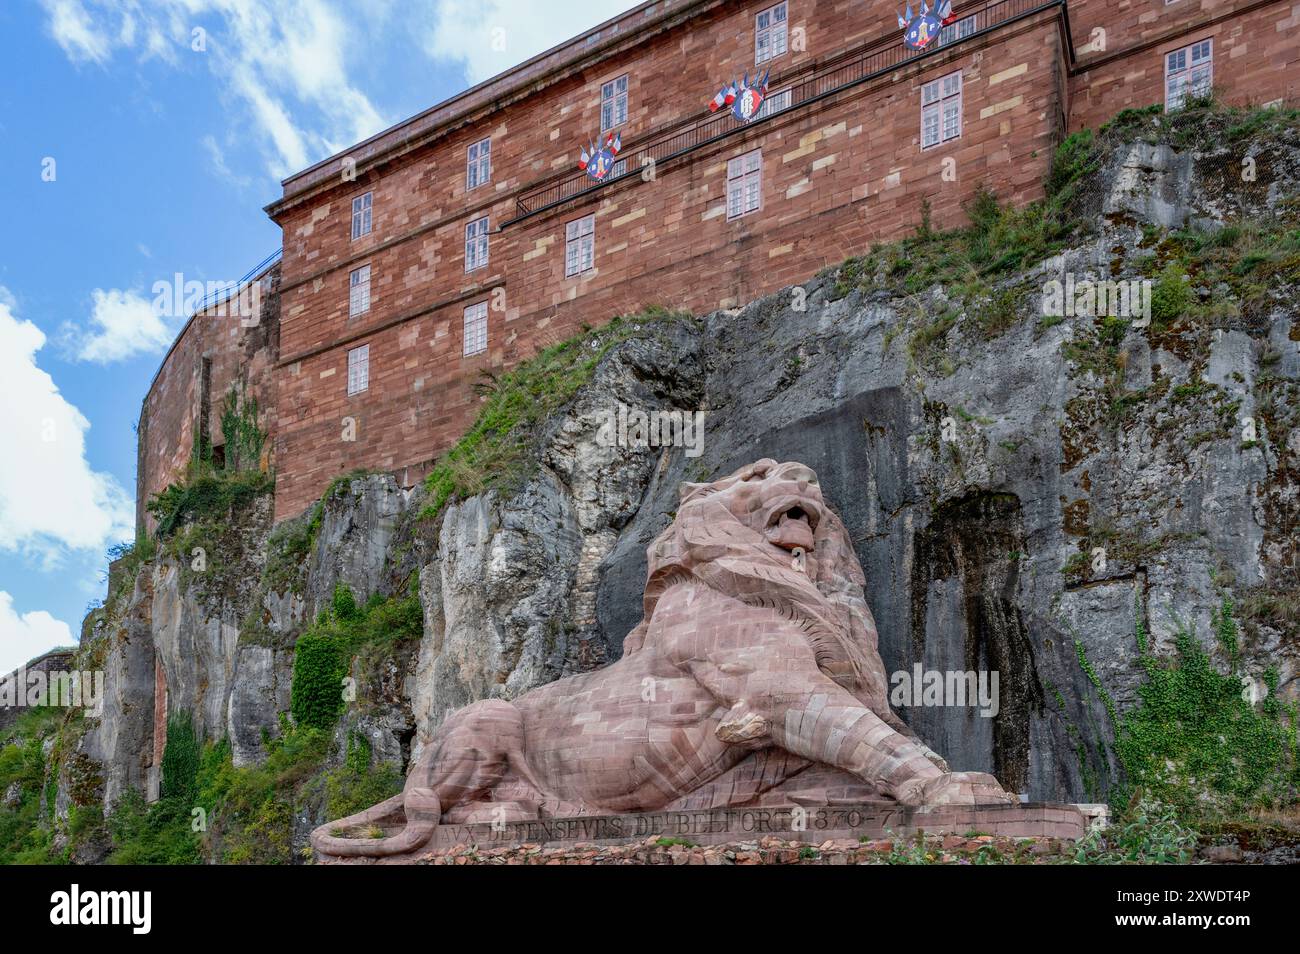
[140, 138]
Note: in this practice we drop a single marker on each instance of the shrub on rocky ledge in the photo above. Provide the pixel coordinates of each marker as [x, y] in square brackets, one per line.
[493, 453]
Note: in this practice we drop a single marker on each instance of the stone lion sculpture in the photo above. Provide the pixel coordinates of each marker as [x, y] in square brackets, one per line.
[753, 673]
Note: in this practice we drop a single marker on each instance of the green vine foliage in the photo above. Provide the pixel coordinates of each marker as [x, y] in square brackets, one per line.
[320, 661]
[244, 439]
[180, 761]
[323, 654]
[1195, 744]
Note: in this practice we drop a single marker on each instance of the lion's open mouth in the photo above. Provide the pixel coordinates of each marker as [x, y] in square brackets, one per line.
[791, 524]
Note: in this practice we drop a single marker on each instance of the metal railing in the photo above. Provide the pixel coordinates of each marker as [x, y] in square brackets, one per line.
[229, 292]
[874, 59]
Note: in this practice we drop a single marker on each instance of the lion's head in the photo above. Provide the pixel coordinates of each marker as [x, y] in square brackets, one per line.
[766, 535]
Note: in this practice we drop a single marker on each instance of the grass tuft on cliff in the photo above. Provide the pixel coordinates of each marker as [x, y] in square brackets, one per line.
[494, 452]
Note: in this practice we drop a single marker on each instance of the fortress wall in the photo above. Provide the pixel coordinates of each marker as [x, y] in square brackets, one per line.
[216, 350]
[836, 176]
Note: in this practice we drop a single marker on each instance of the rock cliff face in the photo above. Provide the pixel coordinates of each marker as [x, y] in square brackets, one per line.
[1020, 489]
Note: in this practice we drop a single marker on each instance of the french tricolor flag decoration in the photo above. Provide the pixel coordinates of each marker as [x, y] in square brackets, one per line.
[744, 98]
[598, 163]
[726, 96]
[921, 30]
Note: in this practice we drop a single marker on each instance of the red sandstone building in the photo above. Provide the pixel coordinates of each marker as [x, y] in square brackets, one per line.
[465, 238]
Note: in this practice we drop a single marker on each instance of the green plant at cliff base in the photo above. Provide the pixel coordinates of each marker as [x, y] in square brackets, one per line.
[1147, 832]
[357, 784]
[157, 834]
[22, 779]
[1194, 743]
[252, 807]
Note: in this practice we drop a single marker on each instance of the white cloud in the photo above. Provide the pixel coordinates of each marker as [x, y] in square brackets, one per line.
[123, 324]
[26, 636]
[283, 62]
[75, 30]
[489, 36]
[51, 500]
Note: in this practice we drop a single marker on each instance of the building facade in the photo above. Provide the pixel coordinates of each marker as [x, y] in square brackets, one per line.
[465, 239]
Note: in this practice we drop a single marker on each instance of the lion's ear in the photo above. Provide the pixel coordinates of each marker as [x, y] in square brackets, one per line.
[689, 491]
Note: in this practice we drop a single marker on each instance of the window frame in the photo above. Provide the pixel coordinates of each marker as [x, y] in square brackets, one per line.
[613, 100]
[353, 286]
[363, 214]
[740, 181]
[474, 164]
[576, 238]
[938, 106]
[358, 369]
[476, 317]
[474, 238]
[1188, 88]
[760, 31]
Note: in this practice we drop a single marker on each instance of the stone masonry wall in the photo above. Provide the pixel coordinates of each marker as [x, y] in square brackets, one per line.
[215, 350]
[836, 176]
[1256, 54]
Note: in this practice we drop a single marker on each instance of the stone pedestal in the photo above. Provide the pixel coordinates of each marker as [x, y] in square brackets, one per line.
[813, 825]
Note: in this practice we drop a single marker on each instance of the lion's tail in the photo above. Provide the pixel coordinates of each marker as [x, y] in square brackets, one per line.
[422, 813]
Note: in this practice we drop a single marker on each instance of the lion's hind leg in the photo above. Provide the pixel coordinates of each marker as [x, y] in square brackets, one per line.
[463, 763]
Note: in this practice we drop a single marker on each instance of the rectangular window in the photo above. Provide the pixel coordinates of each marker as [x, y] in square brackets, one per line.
[613, 104]
[476, 328]
[770, 34]
[476, 244]
[359, 291]
[959, 30]
[359, 369]
[941, 110]
[1189, 73]
[478, 164]
[361, 215]
[775, 102]
[745, 184]
[579, 246]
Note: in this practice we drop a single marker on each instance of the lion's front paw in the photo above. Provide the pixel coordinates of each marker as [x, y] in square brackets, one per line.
[957, 788]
